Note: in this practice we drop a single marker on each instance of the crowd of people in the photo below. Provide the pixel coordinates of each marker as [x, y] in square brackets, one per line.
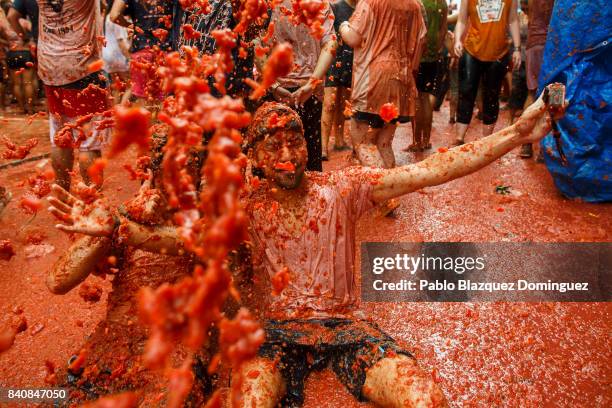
[379, 63]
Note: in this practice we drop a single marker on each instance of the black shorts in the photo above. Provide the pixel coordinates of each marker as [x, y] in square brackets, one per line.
[428, 77]
[375, 121]
[18, 59]
[350, 347]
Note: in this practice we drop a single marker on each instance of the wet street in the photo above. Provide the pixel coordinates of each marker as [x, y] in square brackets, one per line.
[483, 354]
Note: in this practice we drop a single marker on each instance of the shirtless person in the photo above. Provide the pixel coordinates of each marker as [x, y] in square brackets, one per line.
[303, 225]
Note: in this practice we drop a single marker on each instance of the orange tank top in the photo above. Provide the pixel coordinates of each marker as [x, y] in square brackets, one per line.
[487, 37]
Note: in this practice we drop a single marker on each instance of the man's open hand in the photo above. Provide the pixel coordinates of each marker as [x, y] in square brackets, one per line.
[93, 219]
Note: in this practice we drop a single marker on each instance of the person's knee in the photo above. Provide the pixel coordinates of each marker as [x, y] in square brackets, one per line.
[262, 384]
[398, 381]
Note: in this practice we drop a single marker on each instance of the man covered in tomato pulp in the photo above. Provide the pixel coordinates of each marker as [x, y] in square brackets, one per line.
[302, 239]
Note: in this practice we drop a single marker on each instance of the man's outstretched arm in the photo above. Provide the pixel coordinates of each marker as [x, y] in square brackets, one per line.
[97, 220]
[534, 124]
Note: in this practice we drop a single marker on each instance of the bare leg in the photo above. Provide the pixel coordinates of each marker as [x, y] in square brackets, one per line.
[417, 126]
[62, 160]
[460, 131]
[327, 118]
[17, 81]
[263, 385]
[384, 140]
[367, 151]
[487, 130]
[86, 159]
[341, 97]
[29, 90]
[399, 382]
[427, 101]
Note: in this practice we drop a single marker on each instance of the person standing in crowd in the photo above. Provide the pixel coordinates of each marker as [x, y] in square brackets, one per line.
[387, 37]
[484, 55]
[518, 94]
[540, 12]
[26, 83]
[429, 75]
[152, 21]
[220, 16]
[116, 57]
[312, 58]
[68, 28]
[337, 83]
[20, 62]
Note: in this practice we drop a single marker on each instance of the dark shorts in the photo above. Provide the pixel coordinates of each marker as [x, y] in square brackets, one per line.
[18, 59]
[428, 77]
[349, 347]
[375, 121]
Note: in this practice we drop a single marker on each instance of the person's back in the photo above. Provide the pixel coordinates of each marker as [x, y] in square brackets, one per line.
[383, 65]
[68, 44]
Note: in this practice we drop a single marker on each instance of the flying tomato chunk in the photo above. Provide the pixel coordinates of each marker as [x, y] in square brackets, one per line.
[132, 126]
[95, 66]
[388, 112]
[287, 166]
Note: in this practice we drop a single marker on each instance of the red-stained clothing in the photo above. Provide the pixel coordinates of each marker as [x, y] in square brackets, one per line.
[393, 34]
[306, 48]
[540, 12]
[68, 40]
[320, 256]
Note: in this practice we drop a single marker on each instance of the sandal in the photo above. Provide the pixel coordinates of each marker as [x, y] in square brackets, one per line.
[458, 142]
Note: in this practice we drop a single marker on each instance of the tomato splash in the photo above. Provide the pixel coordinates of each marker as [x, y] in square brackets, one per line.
[388, 112]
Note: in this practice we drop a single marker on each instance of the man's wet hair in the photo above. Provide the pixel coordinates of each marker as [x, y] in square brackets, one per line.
[269, 118]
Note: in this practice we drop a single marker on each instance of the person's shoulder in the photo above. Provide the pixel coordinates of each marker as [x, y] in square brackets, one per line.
[355, 175]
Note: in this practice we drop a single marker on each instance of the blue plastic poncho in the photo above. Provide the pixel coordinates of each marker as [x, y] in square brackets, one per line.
[578, 54]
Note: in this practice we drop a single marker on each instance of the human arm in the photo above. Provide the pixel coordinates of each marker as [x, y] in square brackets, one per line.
[460, 161]
[326, 58]
[515, 32]
[460, 27]
[74, 266]
[350, 36]
[97, 220]
[13, 18]
[117, 13]
[443, 30]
